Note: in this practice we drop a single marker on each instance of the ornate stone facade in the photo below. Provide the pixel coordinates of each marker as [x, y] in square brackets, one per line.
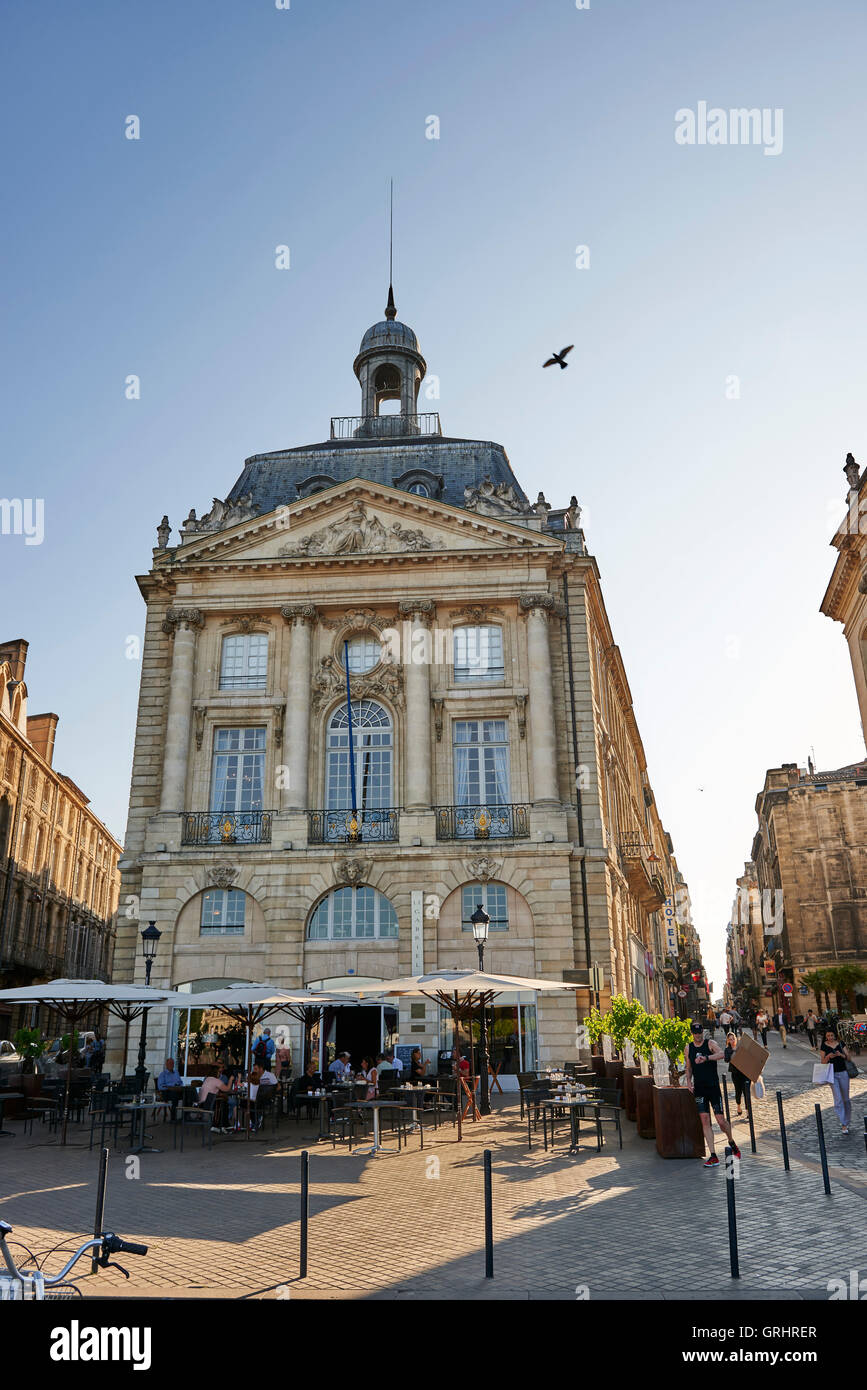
[491, 780]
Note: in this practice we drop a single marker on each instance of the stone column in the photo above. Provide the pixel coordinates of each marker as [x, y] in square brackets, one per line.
[300, 618]
[543, 743]
[417, 656]
[183, 624]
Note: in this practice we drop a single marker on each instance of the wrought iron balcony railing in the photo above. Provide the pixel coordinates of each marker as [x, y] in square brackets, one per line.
[384, 426]
[226, 827]
[32, 957]
[642, 869]
[489, 822]
[352, 827]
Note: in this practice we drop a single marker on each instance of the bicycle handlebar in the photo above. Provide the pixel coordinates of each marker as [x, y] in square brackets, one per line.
[113, 1245]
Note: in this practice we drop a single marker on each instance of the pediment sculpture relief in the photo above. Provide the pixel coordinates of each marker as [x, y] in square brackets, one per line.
[357, 534]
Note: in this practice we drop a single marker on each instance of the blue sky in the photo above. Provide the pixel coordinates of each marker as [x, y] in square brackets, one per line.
[710, 517]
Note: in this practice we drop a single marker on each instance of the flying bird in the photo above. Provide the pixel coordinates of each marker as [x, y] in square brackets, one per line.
[558, 358]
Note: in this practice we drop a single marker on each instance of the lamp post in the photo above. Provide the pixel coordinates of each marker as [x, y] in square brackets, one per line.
[149, 940]
[480, 922]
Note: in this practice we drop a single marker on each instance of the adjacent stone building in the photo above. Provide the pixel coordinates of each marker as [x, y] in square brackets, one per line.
[810, 857]
[58, 863]
[495, 755]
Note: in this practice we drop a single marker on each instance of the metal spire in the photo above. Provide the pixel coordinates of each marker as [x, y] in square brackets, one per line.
[390, 310]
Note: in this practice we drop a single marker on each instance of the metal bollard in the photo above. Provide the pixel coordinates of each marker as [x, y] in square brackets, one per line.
[783, 1138]
[725, 1091]
[305, 1211]
[733, 1223]
[822, 1153]
[865, 1131]
[99, 1218]
[749, 1095]
[489, 1218]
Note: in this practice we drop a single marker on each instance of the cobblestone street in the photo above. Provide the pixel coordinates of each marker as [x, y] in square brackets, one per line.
[621, 1224]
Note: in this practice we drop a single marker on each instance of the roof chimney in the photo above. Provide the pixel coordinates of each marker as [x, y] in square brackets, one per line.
[41, 731]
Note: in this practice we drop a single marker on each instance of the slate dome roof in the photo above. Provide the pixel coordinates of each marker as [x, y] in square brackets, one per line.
[389, 333]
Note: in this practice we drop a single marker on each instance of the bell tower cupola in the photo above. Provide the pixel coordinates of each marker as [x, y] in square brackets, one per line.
[389, 367]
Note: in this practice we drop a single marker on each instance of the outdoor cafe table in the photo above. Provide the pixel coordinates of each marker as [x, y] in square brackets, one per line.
[376, 1106]
[4, 1096]
[138, 1109]
[572, 1104]
[422, 1093]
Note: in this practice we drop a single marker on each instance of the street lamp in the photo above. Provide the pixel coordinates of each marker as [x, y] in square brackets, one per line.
[480, 923]
[149, 941]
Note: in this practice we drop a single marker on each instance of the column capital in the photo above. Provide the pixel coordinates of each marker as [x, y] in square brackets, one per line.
[422, 609]
[183, 617]
[299, 612]
[541, 604]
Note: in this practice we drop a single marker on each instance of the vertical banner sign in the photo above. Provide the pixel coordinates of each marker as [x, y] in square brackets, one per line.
[417, 904]
[670, 926]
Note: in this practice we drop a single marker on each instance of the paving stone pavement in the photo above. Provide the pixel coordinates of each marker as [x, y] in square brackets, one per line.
[624, 1224]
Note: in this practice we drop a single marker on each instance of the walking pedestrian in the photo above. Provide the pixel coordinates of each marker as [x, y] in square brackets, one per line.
[725, 1019]
[762, 1022]
[780, 1025]
[703, 1080]
[711, 1019]
[811, 1023]
[739, 1081]
[836, 1055]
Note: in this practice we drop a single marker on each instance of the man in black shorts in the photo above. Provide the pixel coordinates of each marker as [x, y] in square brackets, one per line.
[703, 1081]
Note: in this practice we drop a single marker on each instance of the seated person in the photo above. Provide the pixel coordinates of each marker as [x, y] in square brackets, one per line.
[267, 1078]
[339, 1067]
[211, 1091]
[417, 1066]
[311, 1080]
[170, 1086]
[384, 1063]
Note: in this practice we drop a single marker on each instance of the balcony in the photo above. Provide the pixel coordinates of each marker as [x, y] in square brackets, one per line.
[483, 822]
[217, 828]
[642, 872]
[352, 827]
[30, 957]
[385, 426]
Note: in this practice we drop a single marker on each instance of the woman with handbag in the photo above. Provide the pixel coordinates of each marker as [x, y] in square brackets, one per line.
[835, 1055]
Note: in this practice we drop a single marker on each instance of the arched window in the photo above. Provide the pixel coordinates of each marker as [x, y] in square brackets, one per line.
[223, 912]
[24, 843]
[492, 897]
[420, 489]
[352, 913]
[372, 741]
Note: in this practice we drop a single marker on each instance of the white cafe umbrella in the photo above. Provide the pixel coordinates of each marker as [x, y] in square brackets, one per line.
[249, 1004]
[74, 999]
[462, 992]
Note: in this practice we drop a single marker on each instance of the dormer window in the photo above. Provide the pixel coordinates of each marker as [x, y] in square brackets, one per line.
[318, 482]
[421, 482]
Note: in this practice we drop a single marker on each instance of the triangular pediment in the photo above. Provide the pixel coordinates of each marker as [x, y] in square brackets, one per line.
[361, 519]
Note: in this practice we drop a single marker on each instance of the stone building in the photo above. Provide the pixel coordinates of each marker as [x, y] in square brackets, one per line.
[496, 755]
[58, 863]
[810, 856]
[745, 944]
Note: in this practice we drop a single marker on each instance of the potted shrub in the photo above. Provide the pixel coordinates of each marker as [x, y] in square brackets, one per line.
[619, 1019]
[596, 1025]
[678, 1128]
[29, 1046]
[643, 1037]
